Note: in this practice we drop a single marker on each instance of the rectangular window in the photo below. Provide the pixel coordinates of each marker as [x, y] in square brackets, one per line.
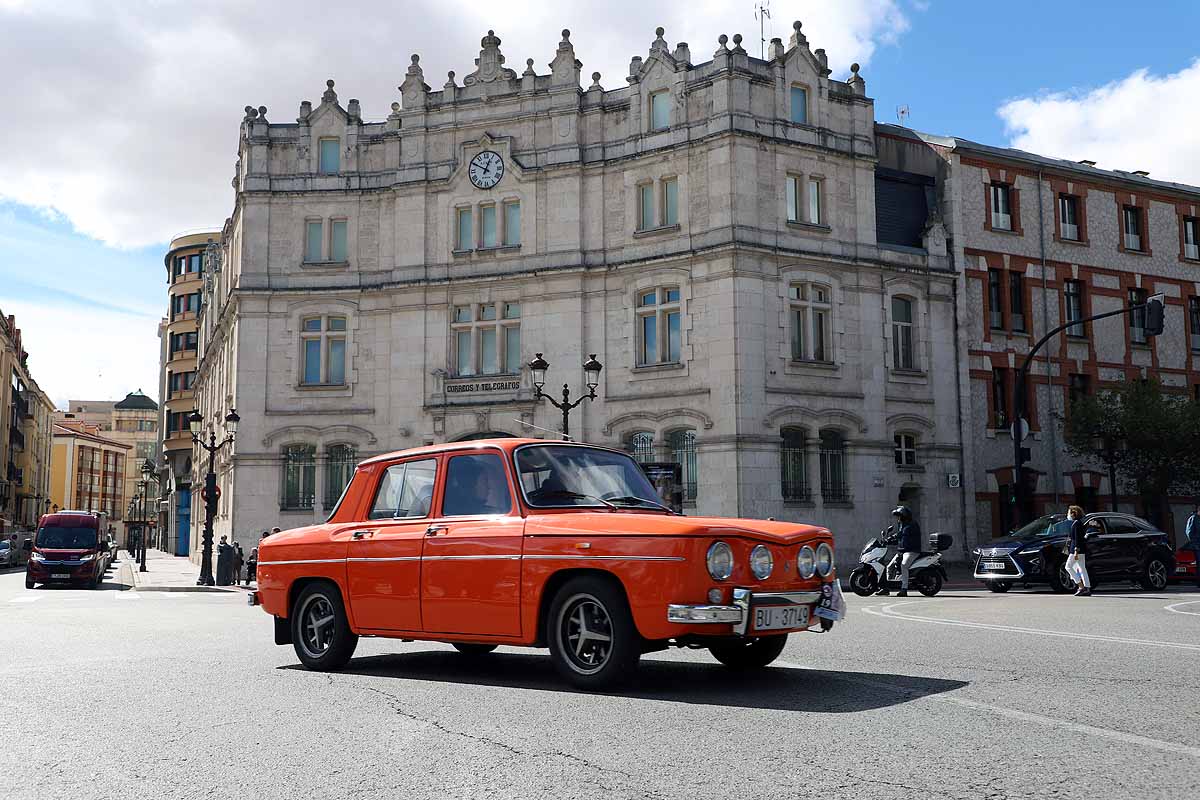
[798, 338]
[793, 457]
[800, 105]
[995, 299]
[1132, 216]
[1078, 387]
[1074, 301]
[312, 361]
[487, 342]
[1016, 299]
[323, 347]
[1068, 216]
[489, 365]
[905, 450]
[195, 263]
[1137, 317]
[810, 312]
[816, 213]
[337, 362]
[299, 477]
[337, 240]
[645, 206]
[999, 398]
[1191, 242]
[487, 226]
[660, 110]
[673, 334]
[512, 224]
[466, 240]
[462, 348]
[649, 354]
[1001, 209]
[670, 188]
[512, 350]
[312, 246]
[329, 157]
[1194, 322]
[793, 198]
[902, 333]
[659, 333]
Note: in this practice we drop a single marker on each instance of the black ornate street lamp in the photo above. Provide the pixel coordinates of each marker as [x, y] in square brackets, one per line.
[591, 369]
[196, 424]
[144, 483]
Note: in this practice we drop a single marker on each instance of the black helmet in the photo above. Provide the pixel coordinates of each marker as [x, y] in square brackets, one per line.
[902, 512]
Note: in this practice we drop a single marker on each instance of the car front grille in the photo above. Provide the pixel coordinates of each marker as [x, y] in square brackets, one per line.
[1009, 568]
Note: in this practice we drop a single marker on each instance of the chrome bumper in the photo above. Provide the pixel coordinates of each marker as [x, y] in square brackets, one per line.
[738, 612]
[252, 599]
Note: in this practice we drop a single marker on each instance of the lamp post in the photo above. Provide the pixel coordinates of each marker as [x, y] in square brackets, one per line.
[1111, 447]
[196, 424]
[591, 369]
[144, 483]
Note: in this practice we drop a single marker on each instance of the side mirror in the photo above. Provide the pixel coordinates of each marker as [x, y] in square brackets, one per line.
[27, 545]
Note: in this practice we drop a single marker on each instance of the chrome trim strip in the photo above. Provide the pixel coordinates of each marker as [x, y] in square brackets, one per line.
[687, 614]
[606, 558]
[471, 558]
[307, 561]
[384, 558]
[798, 598]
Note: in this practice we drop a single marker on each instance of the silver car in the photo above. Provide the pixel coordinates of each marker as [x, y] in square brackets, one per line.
[10, 556]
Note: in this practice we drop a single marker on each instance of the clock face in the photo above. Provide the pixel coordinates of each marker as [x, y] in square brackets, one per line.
[486, 169]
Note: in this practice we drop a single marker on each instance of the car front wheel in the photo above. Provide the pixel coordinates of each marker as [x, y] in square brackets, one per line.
[320, 631]
[751, 654]
[1060, 579]
[998, 586]
[593, 641]
[29, 584]
[1154, 574]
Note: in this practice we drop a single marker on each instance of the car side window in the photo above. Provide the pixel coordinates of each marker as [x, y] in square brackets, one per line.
[1120, 526]
[476, 485]
[405, 490]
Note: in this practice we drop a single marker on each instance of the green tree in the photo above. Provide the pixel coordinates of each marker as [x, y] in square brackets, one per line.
[1160, 433]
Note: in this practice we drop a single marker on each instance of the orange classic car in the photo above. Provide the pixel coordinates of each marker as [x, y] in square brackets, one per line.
[540, 544]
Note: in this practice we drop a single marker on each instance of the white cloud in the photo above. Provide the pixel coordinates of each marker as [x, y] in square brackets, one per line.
[127, 114]
[1143, 121]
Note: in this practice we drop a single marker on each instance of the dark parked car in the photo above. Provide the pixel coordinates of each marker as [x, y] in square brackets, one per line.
[1120, 547]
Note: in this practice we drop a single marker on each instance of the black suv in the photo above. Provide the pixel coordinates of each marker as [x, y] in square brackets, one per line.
[1120, 547]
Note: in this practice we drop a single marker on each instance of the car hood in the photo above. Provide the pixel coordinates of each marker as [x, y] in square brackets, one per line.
[1014, 542]
[63, 555]
[604, 523]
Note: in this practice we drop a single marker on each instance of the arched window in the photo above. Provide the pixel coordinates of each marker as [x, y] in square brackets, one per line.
[793, 466]
[682, 444]
[903, 352]
[835, 487]
[340, 460]
[299, 477]
[641, 446]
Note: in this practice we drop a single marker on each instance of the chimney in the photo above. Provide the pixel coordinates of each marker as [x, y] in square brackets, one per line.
[1087, 162]
[1141, 172]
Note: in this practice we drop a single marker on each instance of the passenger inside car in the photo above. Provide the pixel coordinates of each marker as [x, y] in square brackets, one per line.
[475, 484]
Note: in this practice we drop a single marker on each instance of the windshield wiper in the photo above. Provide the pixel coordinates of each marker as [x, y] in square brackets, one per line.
[642, 501]
[573, 496]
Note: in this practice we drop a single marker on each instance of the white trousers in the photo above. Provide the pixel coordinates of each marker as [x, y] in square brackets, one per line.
[906, 560]
[1077, 569]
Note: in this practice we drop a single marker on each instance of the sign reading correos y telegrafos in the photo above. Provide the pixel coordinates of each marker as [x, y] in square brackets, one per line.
[482, 386]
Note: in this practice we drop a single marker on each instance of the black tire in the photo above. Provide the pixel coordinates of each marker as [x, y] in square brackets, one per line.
[469, 649]
[750, 654]
[863, 581]
[929, 582]
[1000, 587]
[1155, 574]
[1060, 581]
[29, 584]
[600, 607]
[322, 644]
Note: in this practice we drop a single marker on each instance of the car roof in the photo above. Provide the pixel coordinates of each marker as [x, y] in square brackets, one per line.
[507, 444]
[1119, 515]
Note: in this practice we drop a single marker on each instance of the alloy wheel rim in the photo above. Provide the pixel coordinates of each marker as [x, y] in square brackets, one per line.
[1158, 574]
[316, 626]
[586, 632]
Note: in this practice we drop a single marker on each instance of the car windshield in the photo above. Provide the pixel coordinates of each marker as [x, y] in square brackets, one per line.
[56, 538]
[570, 475]
[1042, 526]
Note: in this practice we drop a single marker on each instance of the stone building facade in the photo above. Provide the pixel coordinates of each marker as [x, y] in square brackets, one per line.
[25, 436]
[708, 230]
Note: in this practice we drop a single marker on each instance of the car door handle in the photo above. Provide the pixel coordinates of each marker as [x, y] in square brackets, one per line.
[434, 530]
[362, 534]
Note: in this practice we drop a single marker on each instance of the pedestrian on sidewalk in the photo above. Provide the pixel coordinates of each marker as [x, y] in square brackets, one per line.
[1193, 537]
[252, 566]
[238, 560]
[224, 562]
[1077, 553]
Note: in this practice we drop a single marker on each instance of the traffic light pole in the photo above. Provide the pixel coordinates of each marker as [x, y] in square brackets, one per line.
[1153, 327]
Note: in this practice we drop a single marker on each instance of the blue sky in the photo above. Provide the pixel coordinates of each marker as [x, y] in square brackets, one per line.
[124, 146]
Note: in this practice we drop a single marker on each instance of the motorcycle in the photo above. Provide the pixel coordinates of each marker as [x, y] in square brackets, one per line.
[874, 572]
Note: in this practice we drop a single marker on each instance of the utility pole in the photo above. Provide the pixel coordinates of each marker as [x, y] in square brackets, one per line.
[762, 13]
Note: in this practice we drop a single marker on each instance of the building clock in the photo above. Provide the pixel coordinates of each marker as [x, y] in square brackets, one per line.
[486, 169]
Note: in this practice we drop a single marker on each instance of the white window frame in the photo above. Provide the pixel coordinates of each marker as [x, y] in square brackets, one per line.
[904, 335]
[462, 213]
[808, 314]
[1068, 228]
[666, 186]
[905, 451]
[309, 256]
[814, 191]
[1001, 194]
[665, 96]
[1133, 238]
[505, 322]
[792, 104]
[793, 196]
[333, 225]
[482, 210]
[1191, 238]
[321, 166]
[512, 233]
[325, 336]
[645, 210]
[660, 312]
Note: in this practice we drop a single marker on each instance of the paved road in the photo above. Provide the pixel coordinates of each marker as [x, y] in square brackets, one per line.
[118, 693]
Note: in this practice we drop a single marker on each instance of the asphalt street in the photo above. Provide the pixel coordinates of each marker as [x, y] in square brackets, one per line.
[118, 693]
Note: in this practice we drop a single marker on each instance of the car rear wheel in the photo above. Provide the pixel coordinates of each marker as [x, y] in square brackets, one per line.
[470, 649]
[593, 641]
[1154, 574]
[751, 654]
[320, 631]
[998, 586]
[1060, 580]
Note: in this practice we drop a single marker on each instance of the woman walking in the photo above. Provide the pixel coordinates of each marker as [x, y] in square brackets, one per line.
[1077, 553]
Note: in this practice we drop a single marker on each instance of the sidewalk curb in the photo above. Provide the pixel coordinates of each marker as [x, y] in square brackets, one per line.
[129, 575]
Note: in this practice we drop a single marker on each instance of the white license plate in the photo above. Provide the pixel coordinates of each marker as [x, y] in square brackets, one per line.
[60, 576]
[995, 565]
[774, 618]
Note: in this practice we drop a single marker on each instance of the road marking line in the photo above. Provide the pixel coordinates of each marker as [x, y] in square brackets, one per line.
[1023, 716]
[126, 596]
[889, 611]
[1174, 608]
[26, 598]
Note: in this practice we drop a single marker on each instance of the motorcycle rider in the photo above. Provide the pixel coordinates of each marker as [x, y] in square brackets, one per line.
[908, 539]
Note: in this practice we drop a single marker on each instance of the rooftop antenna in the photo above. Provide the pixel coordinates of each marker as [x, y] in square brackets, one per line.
[762, 13]
[543, 430]
[902, 114]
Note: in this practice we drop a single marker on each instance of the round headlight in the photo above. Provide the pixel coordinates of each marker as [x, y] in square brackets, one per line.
[720, 561]
[761, 562]
[824, 559]
[806, 562]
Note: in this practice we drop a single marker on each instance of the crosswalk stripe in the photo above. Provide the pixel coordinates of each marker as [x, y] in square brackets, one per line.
[26, 598]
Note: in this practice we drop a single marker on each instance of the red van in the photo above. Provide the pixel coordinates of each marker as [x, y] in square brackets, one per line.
[68, 549]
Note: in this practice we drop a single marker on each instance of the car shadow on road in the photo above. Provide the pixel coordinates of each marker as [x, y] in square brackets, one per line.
[779, 688]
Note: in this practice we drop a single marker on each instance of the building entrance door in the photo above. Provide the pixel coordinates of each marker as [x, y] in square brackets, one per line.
[183, 522]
